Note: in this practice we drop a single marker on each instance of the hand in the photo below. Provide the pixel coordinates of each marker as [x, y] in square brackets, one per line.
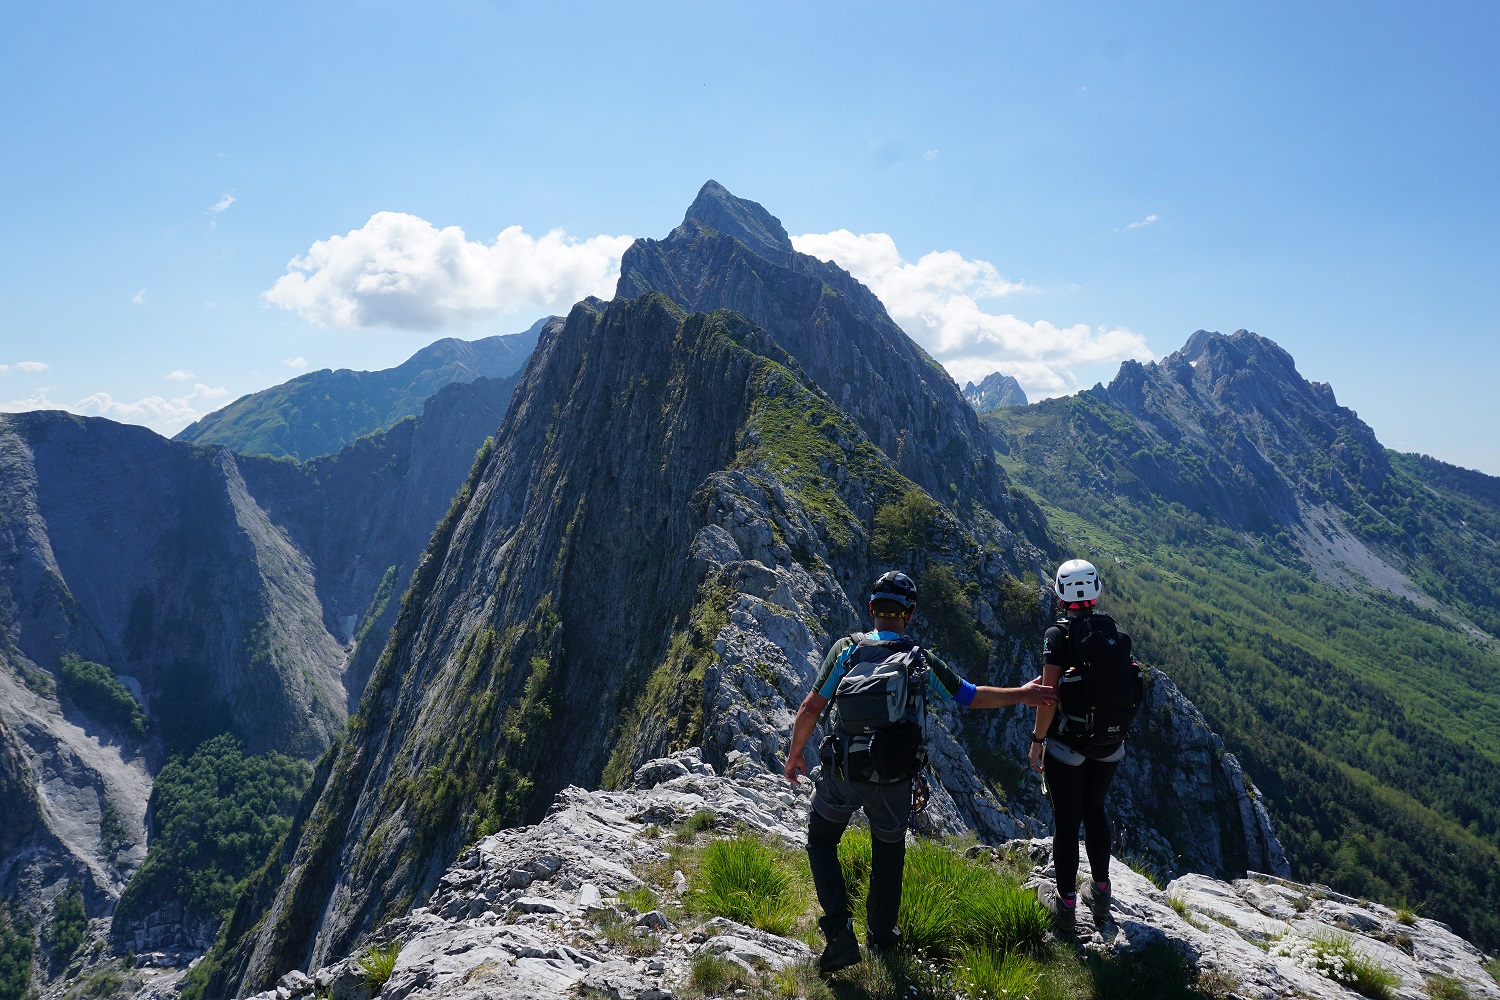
[795, 766]
[1036, 693]
[1037, 757]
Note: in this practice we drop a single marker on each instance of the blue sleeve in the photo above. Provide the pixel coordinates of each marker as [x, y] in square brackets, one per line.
[836, 674]
[965, 694]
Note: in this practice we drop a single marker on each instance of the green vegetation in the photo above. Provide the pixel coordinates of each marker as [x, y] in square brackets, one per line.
[105, 983]
[1445, 988]
[745, 879]
[1335, 956]
[903, 529]
[16, 950]
[1493, 968]
[672, 698]
[377, 962]
[383, 593]
[214, 818]
[94, 688]
[1370, 725]
[969, 930]
[69, 924]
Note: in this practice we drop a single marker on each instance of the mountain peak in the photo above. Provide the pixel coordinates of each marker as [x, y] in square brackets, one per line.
[715, 208]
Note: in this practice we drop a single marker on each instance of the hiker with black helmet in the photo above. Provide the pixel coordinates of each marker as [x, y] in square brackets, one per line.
[1077, 744]
[874, 688]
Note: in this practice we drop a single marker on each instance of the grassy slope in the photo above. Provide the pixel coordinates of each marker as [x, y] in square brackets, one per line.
[1371, 725]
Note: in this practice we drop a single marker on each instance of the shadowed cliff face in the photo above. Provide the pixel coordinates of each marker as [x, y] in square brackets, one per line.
[229, 594]
[676, 519]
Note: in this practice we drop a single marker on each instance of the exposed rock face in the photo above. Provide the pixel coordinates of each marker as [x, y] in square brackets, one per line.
[678, 516]
[732, 254]
[995, 391]
[321, 412]
[517, 915]
[227, 592]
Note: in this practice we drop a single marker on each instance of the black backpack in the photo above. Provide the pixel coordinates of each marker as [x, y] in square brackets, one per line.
[1099, 695]
[879, 713]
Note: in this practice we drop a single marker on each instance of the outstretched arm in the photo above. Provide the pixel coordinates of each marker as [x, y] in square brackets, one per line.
[1034, 692]
[802, 729]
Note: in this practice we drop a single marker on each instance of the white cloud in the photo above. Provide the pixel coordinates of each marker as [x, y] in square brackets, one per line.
[165, 416]
[930, 154]
[31, 367]
[139, 298]
[295, 363]
[401, 271]
[1143, 223]
[936, 301]
[179, 376]
[217, 208]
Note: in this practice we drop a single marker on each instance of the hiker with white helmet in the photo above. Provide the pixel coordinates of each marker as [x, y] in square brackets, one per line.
[1077, 744]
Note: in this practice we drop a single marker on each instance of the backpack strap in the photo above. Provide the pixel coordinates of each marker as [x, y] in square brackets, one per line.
[855, 638]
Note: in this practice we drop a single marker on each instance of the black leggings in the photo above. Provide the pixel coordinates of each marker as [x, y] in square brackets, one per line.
[1077, 792]
[886, 868]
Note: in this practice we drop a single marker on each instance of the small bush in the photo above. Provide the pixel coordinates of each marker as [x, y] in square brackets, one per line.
[377, 963]
[745, 880]
[1157, 972]
[623, 935]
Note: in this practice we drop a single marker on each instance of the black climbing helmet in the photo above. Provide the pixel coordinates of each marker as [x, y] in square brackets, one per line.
[895, 586]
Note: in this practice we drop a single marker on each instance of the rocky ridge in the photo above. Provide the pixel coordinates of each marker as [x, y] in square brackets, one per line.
[520, 913]
[705, 461]
[994, 391]
[321, 412]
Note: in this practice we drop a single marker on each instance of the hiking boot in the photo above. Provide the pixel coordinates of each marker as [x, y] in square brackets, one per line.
[887, 944]
[1064, 913]
[1096, 896]
[843, 947]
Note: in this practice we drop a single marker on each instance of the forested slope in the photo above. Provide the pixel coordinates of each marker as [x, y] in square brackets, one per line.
[1327, 604]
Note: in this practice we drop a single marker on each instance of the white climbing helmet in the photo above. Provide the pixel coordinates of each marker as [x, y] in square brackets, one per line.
[1077, 582]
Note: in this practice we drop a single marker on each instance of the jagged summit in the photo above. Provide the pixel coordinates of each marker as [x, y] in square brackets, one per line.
[743, 220]
[731, 253]
[995, 391]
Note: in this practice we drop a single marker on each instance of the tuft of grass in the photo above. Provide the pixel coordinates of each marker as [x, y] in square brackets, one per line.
[1150, 872]
[797, 982]
[748, 881]
[1493, 968]
[641, 898]
[624, 936]
[716, 975]
[1406, 916]
[695, 824]
[1180, 908]
[377, 962]
[1445, 988]
[1156, 972]
[985, 974]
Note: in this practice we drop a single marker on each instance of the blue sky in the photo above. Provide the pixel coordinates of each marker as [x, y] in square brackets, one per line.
[1039, 188]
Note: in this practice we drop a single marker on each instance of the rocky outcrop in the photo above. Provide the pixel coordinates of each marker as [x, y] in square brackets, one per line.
[322, 412]
[995, 391]
[521, 914]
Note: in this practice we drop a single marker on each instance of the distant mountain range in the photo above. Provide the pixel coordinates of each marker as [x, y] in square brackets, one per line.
[1330, 605]
[320, 412]
[642, 539]
[995, 391]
